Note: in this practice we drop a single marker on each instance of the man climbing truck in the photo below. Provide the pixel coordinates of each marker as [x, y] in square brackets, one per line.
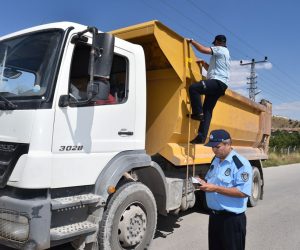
[94, 135]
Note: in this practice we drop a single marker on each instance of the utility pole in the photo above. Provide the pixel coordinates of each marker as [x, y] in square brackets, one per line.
[252, 88]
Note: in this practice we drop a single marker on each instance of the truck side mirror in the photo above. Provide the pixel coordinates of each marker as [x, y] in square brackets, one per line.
[12, 73]
[101, 59]
[104, 53]
[100, 64]
[63, 101]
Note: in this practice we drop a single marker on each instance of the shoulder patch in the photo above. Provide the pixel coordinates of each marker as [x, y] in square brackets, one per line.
[237, 162]
[227, 172]
[245, 176]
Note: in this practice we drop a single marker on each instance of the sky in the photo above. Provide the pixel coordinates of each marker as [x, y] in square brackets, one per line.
[254, 29]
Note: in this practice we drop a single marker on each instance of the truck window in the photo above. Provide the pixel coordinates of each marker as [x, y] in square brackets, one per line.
[79, 77]
[27, 64]
[18, 82]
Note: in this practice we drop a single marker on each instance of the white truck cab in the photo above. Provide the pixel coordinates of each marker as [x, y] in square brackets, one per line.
[72, 122]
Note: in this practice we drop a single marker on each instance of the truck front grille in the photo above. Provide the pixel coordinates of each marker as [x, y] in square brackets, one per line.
[9, 155]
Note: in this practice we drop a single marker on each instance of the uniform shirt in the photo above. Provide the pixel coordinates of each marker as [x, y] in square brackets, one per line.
[227, 174]
[219, 65]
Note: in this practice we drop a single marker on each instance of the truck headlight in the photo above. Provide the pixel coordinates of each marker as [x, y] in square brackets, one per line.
[13, 226]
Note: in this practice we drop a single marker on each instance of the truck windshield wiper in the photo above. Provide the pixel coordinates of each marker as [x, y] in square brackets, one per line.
[6, 104]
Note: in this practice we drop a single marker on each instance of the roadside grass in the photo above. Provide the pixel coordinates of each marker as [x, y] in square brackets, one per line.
[277, 159]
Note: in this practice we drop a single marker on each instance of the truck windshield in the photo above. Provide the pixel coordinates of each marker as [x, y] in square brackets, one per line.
[26, 64]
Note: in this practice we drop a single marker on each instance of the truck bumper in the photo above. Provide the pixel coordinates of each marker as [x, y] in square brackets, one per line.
[24, 223]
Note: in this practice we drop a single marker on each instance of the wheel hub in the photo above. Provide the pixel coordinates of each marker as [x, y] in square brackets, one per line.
[132, 226]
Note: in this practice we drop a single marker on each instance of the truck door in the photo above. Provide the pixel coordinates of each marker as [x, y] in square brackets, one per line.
[93, 133]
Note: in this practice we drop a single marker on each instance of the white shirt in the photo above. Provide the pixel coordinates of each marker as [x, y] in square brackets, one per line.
[219, 65]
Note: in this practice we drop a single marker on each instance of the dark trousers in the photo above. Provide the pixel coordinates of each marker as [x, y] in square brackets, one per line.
[227, 232]
[212, 89]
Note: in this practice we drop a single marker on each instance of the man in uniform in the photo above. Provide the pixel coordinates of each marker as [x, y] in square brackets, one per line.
[227, 188]
[213, 87]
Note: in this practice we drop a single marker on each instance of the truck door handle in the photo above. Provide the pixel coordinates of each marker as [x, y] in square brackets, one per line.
[124, 132]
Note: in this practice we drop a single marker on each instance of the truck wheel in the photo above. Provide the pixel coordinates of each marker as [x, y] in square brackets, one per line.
[129, 221]
[256, 188]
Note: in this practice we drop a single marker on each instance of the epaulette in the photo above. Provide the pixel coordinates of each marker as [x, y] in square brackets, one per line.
[212, 159]
[212, 166]
[237, 162]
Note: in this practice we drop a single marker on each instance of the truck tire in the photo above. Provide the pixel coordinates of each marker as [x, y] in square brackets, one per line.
[256, 188]
[129, 222]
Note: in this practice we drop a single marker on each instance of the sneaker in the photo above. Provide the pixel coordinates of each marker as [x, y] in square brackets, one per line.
[198, 140]
[197, 117]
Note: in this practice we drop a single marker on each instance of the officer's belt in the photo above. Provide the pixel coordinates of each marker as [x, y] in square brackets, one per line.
[223, 212]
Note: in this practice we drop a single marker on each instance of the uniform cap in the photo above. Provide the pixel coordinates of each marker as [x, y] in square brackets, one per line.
[216, 137]
[220, 38]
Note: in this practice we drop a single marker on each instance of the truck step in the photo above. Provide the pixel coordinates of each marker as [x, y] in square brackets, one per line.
[64, 232]
[76, 200]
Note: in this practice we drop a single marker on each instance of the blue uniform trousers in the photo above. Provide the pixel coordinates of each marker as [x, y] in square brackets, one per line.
[227, 231]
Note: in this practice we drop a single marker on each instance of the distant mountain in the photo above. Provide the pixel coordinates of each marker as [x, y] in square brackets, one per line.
[284, 123]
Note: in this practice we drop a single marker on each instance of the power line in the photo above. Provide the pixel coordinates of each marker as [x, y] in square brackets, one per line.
[280, 70]
[224, 27]
[159, 10]
[187, 17]
[207, 31]
[185, 27]
[199, 25]
[282, 95]
[240, 39]
[280, 81]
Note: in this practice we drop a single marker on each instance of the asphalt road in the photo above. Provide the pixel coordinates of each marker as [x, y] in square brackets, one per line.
[273, 225]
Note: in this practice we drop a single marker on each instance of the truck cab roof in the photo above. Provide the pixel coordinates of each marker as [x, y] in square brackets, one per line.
[56, 25]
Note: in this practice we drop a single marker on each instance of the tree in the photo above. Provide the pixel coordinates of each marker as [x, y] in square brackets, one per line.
[284, 139]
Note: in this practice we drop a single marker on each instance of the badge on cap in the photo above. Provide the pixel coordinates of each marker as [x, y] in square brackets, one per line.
[245, 176]
[211, 137]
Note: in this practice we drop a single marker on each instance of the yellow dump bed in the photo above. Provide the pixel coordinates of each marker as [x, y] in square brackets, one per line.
[171, 68]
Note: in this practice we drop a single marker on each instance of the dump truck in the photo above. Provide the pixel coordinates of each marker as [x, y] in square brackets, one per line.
[94, 137]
